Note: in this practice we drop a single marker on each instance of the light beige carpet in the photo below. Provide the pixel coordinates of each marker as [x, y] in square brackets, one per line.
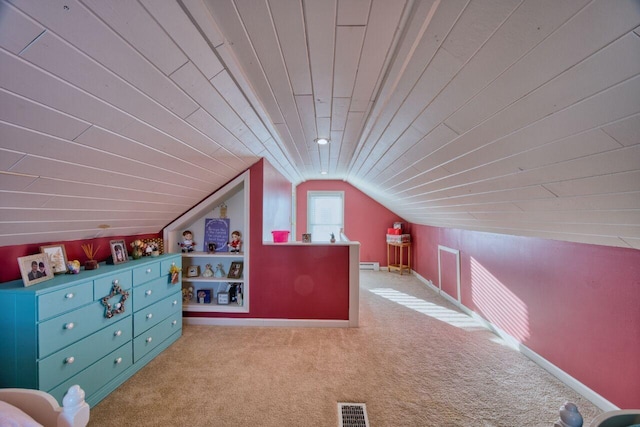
[415, 360]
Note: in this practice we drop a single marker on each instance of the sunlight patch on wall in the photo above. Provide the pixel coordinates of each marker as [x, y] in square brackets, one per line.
[497, 303]
[453, 318]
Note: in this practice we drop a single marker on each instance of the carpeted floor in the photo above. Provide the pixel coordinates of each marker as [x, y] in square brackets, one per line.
[415, 360]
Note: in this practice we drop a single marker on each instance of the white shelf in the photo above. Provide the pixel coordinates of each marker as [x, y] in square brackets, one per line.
[213, 255]
[215, 307]
[211, 280]
[235, 195]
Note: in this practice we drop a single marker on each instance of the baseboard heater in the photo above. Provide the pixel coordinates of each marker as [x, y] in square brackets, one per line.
[370, 265]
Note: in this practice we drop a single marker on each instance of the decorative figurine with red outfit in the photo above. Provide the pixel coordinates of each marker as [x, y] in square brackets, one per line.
[235, 245]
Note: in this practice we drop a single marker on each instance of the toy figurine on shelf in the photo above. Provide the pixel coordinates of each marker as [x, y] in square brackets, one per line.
[219, 271]
[235, 245]
[208, 271]
[187, 243]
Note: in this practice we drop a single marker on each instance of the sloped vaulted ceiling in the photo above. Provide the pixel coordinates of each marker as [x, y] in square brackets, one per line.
[507, 116]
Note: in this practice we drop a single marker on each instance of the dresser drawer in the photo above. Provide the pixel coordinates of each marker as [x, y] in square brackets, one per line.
[149, 340]
[153, 291]
[145, 273]
[70, 360]
[97, 375]
[155, 313]
[70, 327]
[58, 302]
[102, 287]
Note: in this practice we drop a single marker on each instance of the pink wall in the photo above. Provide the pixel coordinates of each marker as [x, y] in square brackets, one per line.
[365, 220]
[288, 282]
[9, 269]
[576, 305]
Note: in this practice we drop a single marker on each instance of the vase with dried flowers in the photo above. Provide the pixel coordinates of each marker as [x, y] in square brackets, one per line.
[91, 263]
[138, 248]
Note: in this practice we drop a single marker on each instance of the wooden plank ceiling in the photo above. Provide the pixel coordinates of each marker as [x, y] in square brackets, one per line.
[507, 116]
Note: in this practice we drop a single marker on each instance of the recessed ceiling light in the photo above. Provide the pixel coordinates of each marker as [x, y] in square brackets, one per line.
[323, 173]
[322, 141]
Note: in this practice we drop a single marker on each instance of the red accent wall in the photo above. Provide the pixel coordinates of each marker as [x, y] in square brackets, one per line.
[365, 220]
[576, 305]
[288, 282]
[9, 269]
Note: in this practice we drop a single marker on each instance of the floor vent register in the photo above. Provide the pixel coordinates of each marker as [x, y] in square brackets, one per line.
[353, 415]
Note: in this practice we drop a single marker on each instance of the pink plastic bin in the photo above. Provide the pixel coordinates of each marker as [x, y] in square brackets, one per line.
[280, 236]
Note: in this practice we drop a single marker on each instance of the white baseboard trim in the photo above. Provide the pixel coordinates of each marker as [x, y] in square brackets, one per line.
[287, 323]
[513, 343]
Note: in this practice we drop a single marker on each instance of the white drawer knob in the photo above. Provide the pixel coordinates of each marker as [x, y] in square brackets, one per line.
[149, 339]
[175, 322]
[148, 270]
[148, 292]
[149, 316]
[118, 360]
[116, 281]
[69, 325]
[69, 295]
[69, 360]
[117, 333]
[175, 302]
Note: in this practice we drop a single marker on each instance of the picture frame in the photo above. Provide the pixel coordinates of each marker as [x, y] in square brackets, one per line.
[211, 248]
[306, 238]
[57, 256]
[118, 251]
[193, 271]
[35, 269]
[223, 298]
[235, 271]
[203, 296]
[154, 243]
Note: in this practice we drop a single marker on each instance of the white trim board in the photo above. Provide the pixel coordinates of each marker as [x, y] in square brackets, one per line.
[287, 323]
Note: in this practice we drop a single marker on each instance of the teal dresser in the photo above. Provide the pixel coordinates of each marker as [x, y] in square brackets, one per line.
[60, 332]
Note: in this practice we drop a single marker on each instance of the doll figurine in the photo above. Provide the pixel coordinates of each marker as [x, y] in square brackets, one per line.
[208, 271]
[219, 271]
[235, 245]
[187, 243]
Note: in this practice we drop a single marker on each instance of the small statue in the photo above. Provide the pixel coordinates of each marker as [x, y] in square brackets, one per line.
[208, 272]
[187, 294]
[220, 271]
[235, 245]
[73, 267]
[333, 238]
[187, 243]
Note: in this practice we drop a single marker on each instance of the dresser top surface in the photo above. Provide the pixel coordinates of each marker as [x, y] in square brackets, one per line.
[62, 280]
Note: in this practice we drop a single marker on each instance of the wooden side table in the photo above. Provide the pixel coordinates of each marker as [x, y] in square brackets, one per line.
[398, 256]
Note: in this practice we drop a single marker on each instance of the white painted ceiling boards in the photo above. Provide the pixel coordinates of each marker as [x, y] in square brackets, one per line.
[507, 116]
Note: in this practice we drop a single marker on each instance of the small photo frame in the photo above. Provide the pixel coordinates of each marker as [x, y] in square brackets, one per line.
[35, 269]
[193, 271]
[211, 247]
[306, 238]
[57, 256]
[235, 271]
[203, 296]
[223, 298]
[118, 251]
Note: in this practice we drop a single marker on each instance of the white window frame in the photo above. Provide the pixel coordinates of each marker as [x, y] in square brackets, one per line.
[313, 194]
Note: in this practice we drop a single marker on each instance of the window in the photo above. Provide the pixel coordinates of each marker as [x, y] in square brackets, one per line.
[325, 214]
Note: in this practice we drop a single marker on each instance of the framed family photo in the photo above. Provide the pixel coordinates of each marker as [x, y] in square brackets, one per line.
[118, 251]
[235, 271]
[57, 257]
[35, 269]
